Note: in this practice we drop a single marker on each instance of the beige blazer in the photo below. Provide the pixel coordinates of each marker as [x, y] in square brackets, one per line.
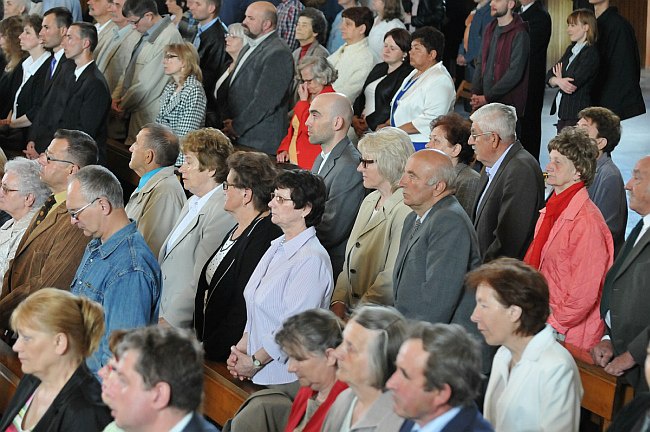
[379, 418]
[370, 254]
[181, 263]
[155, 207]
[104, 37]
[115, 56]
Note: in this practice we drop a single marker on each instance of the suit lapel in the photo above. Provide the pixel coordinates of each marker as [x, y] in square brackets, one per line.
[516, 146]
[334, 155]
[634, 253]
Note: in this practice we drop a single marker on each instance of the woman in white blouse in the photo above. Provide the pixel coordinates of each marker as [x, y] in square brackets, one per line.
[389, 15]
[534, 384]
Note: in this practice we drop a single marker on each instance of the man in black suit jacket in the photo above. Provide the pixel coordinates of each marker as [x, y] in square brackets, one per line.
[210, 41]
[89, 100]
[55, 90]
[511, 187]
[626, 294]
[539, 24]
[330, 115]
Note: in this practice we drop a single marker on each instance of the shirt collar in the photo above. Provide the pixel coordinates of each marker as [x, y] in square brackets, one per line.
[254, 43]
[113, 242]
[438, 423]
[490, 171]
[204, 27]
[525, 8]
[145, 178]
[178, 427]
[101, 27]
[61, 196]
[290, 247]
[78, 71]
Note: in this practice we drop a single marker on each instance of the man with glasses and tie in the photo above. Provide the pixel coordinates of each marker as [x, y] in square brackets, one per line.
[118, 270]
[49, 253]
[136, 99]
[626, 294]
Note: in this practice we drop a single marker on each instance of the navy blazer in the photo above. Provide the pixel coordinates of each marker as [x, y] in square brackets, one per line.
[384, 92]
[469, 419]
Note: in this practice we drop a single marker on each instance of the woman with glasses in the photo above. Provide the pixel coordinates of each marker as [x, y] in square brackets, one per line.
[219, 307]
[201, 225]
[372, 247]
[295, 274]
[316, 77]
[183, 101]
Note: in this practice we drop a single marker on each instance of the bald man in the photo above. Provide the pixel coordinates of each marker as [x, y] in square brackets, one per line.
[330, 116]
[438, 245]
[259, 86]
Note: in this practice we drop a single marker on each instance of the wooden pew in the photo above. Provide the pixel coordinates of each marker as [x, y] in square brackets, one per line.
[117, 160]
[604, 394]
[10, 374]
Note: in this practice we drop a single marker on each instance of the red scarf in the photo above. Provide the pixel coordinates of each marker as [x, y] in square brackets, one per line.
[555, 205]
[303, 50]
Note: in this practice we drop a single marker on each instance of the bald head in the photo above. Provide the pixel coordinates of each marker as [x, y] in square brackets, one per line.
[261, 18]
[429, 176]
[330, 116]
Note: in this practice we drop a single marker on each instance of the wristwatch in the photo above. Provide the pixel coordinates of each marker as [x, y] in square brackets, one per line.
[256, 363]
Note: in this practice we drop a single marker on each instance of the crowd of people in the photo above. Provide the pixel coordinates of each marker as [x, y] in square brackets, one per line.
[312, 212]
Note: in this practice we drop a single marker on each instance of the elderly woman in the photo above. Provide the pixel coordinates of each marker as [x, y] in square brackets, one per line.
[428, 92]
[21, 195]
[219, 307]
[183, 101]
[450, 134]
[372, 247]
[534, 384]
[372, 106]
[236, 40]
[316, 77]
[572, 246]
[202, 224]
[56, 332]
[366, 359]
[388, 16]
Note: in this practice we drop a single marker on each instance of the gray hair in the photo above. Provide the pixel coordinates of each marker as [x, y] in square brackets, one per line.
[390, 147]
[82, 148]
[98, 182]
[29, 179]
[454, 359]
[164, 143]
[383, 349]
[27, 4]
[324, 72]
[311, 331]
[498, 118]
[237, 30]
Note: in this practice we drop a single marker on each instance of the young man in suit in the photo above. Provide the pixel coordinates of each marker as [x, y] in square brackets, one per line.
[511, 188]
[89, 102]
[330, 116]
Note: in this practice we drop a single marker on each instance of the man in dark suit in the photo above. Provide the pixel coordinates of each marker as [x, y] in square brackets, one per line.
[161, 361]
[539, 27]
[438, 374]
[626, 294]
[260, 84]
[55, 91]
[438, 245]
[210, 41]
[89, 101]
[330, 116]
[511, 187]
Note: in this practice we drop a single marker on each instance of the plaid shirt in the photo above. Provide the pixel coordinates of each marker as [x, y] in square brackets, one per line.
[288, 12]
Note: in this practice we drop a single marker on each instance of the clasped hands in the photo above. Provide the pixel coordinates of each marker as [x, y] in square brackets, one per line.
[603, 355]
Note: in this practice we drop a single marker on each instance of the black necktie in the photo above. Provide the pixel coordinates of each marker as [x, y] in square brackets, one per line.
[45, 209]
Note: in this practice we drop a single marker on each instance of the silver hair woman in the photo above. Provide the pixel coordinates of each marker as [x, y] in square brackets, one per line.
[367, 275]
[21, 195]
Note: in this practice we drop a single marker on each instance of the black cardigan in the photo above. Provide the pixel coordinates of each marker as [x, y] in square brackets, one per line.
[78, 407]
[225, 315]
[31, 95]
[384, 92]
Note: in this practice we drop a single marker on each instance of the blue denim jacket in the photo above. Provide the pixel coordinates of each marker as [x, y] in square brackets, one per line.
[124, 277]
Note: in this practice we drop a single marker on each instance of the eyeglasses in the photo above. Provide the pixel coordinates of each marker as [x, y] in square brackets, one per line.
[49, 159]
[135, 23]
[279, 199]
[475, 135]
[169, 56]
[6, 190]
[74, 214]
[227, 185]
[366, 162]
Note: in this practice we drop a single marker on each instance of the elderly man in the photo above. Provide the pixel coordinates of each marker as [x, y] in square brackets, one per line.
[137, 95]
[625, 302]
[157, 202]
[50, 250]
[330, 116]
[260, 83]
[117, 270]
[438, 245]
[607, 190]
[164, 370]
[438, 377]
[16, 7]
[511, 187]
[100, 10]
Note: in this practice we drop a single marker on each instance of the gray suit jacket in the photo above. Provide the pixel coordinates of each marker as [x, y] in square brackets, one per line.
[259, 94]
[181, 263]
[345, 193]
[505, 220]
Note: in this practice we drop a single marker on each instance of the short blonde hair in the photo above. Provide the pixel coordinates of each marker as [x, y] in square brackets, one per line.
[390, 147]
[187, 53]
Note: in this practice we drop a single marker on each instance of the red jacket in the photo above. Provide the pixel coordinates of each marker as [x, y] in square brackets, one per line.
[307, 152]
[299, 408]
[575, 259]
